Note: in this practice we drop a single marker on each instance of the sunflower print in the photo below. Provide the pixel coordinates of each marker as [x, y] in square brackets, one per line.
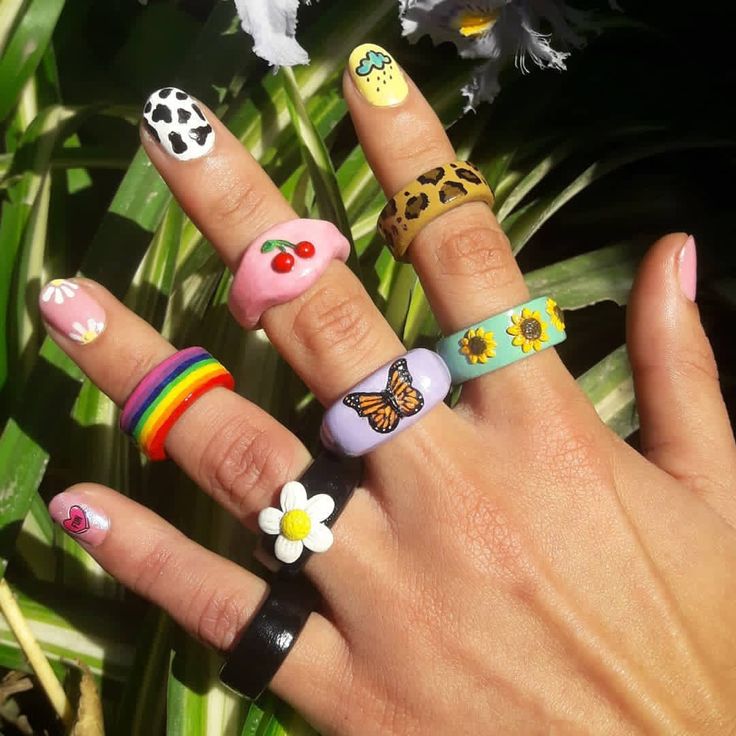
[478, 345]
[556, 314]
[528, 330]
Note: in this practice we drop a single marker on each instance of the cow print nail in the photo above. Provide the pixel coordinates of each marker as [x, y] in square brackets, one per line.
[175, 121]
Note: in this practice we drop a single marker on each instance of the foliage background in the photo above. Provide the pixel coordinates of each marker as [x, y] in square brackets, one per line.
[589, 167]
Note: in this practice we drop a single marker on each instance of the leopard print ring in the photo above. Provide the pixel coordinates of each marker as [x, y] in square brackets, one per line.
[434, 192]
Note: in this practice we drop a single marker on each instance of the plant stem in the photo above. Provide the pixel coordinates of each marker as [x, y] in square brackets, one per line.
[36, 658]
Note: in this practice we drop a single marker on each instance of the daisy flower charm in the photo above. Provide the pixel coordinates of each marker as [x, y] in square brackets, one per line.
[298, 523]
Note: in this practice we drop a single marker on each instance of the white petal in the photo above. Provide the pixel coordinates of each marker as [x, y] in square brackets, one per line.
[287, 551]
[47, 294]
[58, 296]
[319, 538]
[66, 290]
[78, 327]
[273, 27]
[293, 496]
[319, 507]
[75, 336]
[269, 520]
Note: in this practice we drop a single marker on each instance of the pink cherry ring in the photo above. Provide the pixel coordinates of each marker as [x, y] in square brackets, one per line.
[282, 263]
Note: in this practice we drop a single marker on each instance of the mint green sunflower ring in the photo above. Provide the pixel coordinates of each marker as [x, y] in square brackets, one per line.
[503, 339]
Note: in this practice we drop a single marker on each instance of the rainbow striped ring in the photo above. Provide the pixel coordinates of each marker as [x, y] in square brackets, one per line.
[166, 393]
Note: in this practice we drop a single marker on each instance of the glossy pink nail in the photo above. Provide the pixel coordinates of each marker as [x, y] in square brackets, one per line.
[71, 310]
[79, 519]
[688, 268]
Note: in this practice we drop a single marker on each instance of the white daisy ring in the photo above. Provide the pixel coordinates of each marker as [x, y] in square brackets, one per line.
[298, 523]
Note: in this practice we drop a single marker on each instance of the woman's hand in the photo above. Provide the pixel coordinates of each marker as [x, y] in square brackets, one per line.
[509, 566]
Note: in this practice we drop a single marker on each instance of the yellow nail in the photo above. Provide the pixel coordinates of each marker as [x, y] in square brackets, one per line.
[377, 75]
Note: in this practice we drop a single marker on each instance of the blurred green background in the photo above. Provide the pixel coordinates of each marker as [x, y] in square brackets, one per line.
[589, 166]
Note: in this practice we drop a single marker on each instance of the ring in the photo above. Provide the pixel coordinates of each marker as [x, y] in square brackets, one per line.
[166, 393]
[309, 508]
[388, 401]
[503, 339]
[282, 263]
[264, 644]
[430, 195]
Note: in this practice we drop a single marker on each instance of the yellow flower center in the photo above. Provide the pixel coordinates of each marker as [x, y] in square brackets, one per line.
[472, 23]
[57, 282]
[88, 336]
[477, 346]
[531, 329]
[296, 525]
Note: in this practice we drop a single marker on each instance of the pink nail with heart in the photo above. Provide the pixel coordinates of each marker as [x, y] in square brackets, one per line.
[79, 519]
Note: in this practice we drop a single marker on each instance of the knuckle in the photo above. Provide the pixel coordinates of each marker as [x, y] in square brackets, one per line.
[474, 249]
[218, 616]
[157, 564]
[420, 147]
[335, 319]
[698, 364]
[237, 202]
[140, 361]
[238, 460]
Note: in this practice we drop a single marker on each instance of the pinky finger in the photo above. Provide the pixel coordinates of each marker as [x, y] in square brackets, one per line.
[210, 597]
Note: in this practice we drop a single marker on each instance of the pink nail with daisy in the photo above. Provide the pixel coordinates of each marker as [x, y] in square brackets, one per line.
[71, 310]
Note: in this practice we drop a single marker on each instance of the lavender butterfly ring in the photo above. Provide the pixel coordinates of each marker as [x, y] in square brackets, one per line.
[388, 401]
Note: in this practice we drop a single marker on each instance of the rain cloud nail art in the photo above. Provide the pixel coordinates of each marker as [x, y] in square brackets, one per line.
[178, 124]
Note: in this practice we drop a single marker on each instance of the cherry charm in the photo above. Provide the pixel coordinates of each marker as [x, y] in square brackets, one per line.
[304, 249]
[283, 261]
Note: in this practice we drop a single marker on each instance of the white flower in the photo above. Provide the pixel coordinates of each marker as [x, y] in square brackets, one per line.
[86, 335]
[298, 523]
[59, 289]
[272, 23]
[496, 30]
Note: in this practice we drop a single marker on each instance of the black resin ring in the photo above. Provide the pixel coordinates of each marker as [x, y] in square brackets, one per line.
[309, 508]
[264, 644]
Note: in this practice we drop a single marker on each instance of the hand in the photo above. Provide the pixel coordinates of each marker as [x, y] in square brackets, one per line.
[509, 566]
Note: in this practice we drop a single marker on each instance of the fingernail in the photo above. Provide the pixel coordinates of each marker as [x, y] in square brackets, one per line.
[688, 268]
[377, 75]
[79, 519]
[178, 124]
[71, 310]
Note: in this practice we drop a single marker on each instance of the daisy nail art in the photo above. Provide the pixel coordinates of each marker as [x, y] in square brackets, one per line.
[177, 123]
[58, 290]
[298, 524]
[72, 311]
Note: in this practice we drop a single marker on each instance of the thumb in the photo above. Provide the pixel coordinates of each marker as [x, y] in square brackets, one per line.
[685, 428]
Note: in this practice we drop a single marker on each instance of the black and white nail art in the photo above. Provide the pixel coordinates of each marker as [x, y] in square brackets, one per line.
[177, 122]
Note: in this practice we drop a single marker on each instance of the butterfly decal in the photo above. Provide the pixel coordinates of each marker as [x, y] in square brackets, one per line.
[384, 409]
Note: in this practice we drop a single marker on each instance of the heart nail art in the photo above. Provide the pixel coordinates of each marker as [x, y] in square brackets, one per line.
[178, 124]
[77, 521]
[78, 518]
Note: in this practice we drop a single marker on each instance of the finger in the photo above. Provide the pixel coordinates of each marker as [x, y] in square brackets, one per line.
[210, 597]
[333, 335]
[231, 448]
[685, 428]
[463, 258]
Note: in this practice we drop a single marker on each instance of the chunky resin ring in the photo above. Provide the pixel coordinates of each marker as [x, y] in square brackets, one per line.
[435, 192]
[503, 339]
[264, 644]
[309, 508]
[389, 400]
[166, 393]
[281, 264]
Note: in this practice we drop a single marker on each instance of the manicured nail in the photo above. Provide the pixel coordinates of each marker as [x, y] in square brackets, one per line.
[377, 76]
[70, 309]
[177, 122]
[78, 519]
[688, 268]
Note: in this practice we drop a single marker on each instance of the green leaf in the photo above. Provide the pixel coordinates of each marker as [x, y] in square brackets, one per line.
[610, 386]
[26, 49]
[281, 245]
[605, 274]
